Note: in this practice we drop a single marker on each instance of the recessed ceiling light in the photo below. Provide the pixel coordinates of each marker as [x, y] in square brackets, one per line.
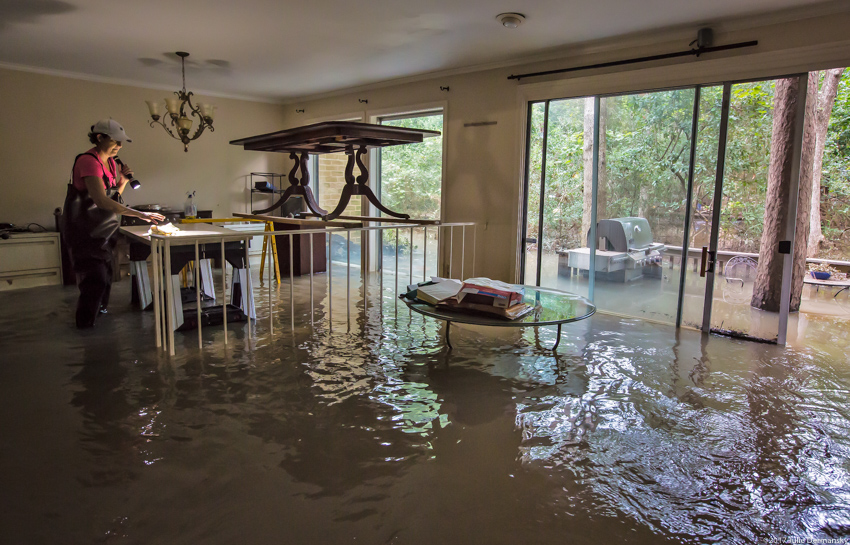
[510, 20]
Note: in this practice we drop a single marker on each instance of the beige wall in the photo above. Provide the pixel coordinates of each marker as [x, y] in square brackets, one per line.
[45, 119]
[44, 124]
[484, 164]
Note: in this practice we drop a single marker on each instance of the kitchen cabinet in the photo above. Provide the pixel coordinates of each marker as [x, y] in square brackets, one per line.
[28, 260]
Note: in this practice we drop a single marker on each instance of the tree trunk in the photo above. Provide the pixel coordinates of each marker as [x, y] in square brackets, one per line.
[587, 159]
[826, 100]
[767, 289]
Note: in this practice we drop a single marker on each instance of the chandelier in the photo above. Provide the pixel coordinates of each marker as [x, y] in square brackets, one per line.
[178, 112]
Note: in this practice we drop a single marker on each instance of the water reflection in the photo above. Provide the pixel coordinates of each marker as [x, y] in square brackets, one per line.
[738, 443]
[366, 426]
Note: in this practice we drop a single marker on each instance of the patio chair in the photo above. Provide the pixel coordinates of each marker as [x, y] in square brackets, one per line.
[738, 272]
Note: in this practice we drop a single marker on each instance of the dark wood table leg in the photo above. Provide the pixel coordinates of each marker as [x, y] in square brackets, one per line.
[344, 197]
[360, 188]
[305, 186]
[297, 187]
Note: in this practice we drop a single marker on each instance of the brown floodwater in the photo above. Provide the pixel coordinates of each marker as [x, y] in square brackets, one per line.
[363, 428]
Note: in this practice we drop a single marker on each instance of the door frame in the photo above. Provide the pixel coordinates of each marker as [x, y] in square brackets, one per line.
[370, 249]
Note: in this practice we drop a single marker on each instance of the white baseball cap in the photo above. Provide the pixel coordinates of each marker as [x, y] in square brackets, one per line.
[112, 129]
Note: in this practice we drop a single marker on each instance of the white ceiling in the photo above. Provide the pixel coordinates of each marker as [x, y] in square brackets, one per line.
[276, 50]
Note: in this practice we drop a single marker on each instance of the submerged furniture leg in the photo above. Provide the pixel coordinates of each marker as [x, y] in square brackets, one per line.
[557, 339]
[330, 283]
[169, 298]
[247, 286]
[448, 340]
[224, 289]
[312, 308]
[271, 320]
[291, 281]
[198, 293]
[156, 293]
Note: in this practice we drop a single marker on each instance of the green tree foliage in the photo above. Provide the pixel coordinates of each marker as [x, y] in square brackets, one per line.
[647, 143]
[648, 146]
[411, 175]
[747, 161]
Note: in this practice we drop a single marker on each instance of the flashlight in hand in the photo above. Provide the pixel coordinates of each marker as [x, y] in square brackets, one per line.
[134, 183]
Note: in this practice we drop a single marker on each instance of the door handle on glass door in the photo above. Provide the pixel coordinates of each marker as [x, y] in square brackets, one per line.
[706, 261]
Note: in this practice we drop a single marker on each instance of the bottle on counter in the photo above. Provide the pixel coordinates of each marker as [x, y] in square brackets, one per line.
[189, 209]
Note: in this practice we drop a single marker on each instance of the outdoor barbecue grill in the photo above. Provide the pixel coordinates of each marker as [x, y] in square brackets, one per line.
[625, 251]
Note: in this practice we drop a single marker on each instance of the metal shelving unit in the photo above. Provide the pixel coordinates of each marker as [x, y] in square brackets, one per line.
[274, 178]
[293, 206]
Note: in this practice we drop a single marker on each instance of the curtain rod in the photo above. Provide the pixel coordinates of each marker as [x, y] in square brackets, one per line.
[698, 51]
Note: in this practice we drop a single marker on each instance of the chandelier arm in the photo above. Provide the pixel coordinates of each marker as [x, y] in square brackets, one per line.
[184, 98]
[202, 123]
[189, 101]
[200, 129]
[196, 112]
[164, 126]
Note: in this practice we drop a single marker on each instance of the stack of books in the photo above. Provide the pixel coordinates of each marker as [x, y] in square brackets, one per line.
[476, 295]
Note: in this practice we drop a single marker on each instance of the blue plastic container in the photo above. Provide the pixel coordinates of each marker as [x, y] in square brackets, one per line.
[821, 275]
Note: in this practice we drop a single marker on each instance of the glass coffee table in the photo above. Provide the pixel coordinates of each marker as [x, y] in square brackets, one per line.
[551, 307]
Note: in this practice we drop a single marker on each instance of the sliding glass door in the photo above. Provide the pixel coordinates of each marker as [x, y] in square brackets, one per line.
[644, 147]
[654, 204]
[557, 202]
[637, 192]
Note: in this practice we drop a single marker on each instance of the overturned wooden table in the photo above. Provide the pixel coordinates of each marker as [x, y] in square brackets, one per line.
[354, 139]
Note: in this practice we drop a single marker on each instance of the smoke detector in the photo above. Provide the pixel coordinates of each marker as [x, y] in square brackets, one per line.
[510, 20]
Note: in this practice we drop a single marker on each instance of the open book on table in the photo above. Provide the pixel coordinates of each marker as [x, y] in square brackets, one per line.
[478, 295]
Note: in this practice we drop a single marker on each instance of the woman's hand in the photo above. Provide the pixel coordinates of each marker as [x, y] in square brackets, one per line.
[125, 177]
[151, 217]
[127, 172]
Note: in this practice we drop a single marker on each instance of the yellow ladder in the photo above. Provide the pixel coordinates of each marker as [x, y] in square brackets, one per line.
[266, 240]
[270, 240]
